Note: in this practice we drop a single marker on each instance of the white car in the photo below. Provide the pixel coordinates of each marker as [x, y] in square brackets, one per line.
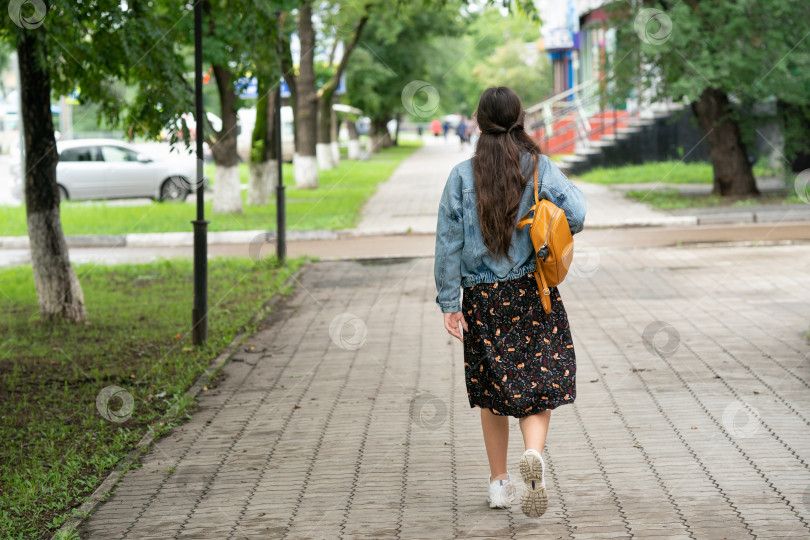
[110, 169]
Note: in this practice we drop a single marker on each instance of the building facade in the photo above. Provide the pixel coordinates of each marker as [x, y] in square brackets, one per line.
[578, 40]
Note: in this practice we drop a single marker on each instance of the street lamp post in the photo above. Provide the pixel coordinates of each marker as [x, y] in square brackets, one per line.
[199, 313]
[281, 233]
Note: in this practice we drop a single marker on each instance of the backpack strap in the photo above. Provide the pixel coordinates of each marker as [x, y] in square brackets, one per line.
[536, 189]
[526, 220]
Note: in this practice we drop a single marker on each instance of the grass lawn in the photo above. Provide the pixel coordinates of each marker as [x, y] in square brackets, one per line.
[667, 172]
[55, 447]
[671, 199]
[335, 204]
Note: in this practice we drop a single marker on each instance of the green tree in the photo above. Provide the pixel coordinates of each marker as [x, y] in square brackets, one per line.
[98, 46]
[528, 73]
[464, 64]
[713, 55]
[438, 42]
[347, 23]
[237, 35]
[395, 50]
[263, 172]
[304, 97]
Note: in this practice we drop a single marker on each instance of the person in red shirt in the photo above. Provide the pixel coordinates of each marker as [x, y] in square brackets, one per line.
[435, 127]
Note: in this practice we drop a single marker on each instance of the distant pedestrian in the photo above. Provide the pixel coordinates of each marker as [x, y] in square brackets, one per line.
[445, 128]
[518, 360]
[473, 133]
[461, 131]
[435, 127]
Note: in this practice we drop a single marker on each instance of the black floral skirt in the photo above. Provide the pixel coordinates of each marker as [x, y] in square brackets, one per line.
[518, 360]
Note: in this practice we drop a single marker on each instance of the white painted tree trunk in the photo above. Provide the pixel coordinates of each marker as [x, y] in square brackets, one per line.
[335, 147]
[227, 190]
[324, 155]
[58, 289]
[258, 186]
[272, 177]
[374, 143]
[305, 171]
[354, 149]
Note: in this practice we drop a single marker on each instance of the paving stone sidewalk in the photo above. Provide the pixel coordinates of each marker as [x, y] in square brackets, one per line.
[346, 415]
[409, 200]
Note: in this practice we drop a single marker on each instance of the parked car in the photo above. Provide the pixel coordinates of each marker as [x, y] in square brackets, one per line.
[110, 169]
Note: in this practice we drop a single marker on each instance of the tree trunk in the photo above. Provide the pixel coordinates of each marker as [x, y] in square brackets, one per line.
[794, 125]
[378, 136]
[396, 133]
[354, 139]
[263, 167]
[227, 186]
[335, 145]
[59, 292]
[305, 165]
[732, 171]
[289, 77]
[323, 148]
[328, 149]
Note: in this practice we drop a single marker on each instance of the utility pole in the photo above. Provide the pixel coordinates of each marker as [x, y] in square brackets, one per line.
[199, 313]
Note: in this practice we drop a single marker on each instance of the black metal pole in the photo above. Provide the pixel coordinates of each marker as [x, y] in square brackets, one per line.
[281, 218]
[199, 313]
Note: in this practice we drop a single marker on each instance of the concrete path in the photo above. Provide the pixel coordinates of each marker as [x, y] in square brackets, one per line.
[346, 416]
[409, 200]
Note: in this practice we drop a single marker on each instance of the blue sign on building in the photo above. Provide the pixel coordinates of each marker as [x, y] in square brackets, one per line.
[248, 88]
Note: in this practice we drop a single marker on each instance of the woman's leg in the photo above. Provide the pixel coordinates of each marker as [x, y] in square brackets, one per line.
[496, 439]
[535, 428]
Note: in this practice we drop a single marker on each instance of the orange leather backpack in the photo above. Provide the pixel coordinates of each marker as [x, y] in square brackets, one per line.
[552, 240]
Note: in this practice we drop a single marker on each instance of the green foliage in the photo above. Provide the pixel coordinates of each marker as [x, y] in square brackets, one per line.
[394, 50]
[489, 54]
[753, 51]
[60, 445]
[663, 172]
[669, 172]
[134, 60]
[672, 199]
[458, 50]
[528, 74]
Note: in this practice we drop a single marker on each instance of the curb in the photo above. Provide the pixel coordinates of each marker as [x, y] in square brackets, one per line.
[663, 221]
[186, 239]
[97, 497]
[183, 239]
[770, 216]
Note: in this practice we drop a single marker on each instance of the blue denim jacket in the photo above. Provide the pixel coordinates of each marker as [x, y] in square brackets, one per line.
[462, 259]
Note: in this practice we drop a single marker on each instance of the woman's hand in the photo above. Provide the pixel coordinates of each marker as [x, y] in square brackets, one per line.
[451, 321]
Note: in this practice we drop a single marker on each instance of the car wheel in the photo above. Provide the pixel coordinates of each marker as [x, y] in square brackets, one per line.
[172, 190]
[63, 195]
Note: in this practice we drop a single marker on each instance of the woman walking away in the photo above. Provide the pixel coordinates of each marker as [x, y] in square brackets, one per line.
[518, 360]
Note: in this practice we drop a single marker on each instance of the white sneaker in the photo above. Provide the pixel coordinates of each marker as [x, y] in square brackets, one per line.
[501, 492]
[534, 500]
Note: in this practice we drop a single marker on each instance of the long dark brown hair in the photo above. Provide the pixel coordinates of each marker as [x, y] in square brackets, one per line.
[499, 182]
